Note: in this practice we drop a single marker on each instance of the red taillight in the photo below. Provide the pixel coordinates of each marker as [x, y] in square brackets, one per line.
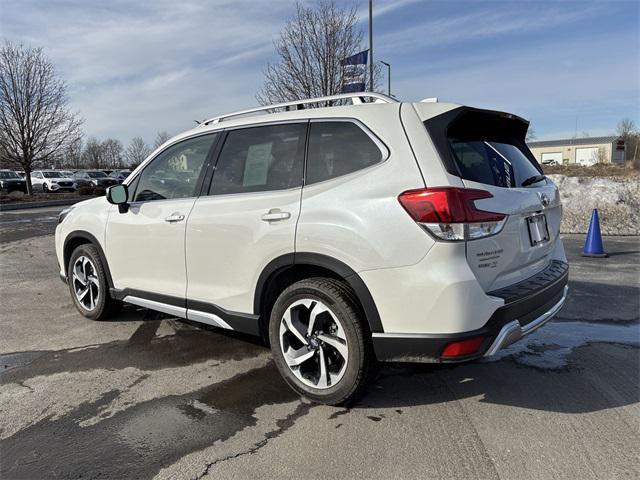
[449, 213]
[462, 348]
[447, 205]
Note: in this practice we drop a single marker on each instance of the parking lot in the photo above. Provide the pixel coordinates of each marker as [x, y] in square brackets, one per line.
[146, 395]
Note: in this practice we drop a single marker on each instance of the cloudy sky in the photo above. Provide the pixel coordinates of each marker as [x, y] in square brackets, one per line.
[137, 67]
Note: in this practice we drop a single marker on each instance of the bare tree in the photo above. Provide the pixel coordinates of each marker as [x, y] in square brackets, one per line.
[112, 153]
[92, 156]
[35, 120]
[599, 156]
[630, 133]
[137, 151]
[310, 48]
[72, 154]
[531, 135]
[161, 137]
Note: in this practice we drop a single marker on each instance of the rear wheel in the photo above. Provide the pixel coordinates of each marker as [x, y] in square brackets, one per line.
[320, 342]
[88, 284]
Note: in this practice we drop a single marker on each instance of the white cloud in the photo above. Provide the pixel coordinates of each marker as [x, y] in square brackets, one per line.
[137, 67]
[134, 68]
[483, 24]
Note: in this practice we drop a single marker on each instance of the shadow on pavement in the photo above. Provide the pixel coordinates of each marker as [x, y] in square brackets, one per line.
[598, 377]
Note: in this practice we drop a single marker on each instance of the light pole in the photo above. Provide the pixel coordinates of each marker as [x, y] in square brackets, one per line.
[371, 45]
[388, 76]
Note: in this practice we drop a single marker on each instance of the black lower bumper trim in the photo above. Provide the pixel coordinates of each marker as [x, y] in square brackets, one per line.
[545, 291]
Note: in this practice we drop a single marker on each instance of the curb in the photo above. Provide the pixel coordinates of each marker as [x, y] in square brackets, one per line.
[5, 207]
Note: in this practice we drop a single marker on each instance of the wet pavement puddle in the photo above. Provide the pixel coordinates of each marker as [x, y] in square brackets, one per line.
[140, 438]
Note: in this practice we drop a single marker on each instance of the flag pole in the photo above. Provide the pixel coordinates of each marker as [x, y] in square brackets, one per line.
[371, 45]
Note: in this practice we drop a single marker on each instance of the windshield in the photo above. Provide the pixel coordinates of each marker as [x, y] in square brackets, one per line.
[9, 175]
[52, 175]
[97, 174]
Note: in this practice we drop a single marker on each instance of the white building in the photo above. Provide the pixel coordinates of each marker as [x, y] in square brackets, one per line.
[583, 151]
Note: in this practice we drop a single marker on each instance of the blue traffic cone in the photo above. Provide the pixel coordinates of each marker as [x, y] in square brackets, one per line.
[593, 244]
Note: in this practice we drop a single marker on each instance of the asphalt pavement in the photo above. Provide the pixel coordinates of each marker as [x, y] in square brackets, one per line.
[23, 224]
[145, 395]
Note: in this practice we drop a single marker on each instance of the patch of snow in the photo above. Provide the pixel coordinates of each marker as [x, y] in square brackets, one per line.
[617, 201]
[549, 347]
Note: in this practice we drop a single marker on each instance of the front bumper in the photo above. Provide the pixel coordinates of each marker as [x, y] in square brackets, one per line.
[528, 305]
[14, 187]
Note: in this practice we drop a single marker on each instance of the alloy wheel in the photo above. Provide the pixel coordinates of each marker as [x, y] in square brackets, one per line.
[314, 343]
[86, 285]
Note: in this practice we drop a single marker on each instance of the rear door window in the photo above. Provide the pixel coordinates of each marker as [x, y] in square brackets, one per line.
[339, 148]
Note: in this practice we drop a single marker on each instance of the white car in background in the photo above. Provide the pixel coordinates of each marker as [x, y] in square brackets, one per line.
[409, 232]
[52, 181]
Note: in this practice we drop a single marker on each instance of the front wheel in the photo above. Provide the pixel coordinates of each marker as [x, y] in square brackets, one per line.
[319, 341]
[88, 284]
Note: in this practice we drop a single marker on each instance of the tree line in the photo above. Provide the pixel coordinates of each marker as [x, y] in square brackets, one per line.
[108, 153]
[38, 129]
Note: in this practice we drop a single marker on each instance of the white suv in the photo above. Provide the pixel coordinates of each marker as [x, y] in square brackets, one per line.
[377, 230]
[52, 181]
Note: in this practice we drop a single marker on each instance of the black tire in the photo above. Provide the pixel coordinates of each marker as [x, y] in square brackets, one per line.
[105, 306]
[44, 187]
[343, 304]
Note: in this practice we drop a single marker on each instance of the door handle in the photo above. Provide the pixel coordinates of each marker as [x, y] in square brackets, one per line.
[174, 217]
[275, 215]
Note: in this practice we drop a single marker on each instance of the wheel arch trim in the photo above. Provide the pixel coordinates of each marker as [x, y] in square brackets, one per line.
[84, 235]
[341, 269]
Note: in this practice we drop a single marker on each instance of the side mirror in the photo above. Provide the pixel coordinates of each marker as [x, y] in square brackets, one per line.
[118, 195]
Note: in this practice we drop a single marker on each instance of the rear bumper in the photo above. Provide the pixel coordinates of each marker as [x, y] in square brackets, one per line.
[528, 305]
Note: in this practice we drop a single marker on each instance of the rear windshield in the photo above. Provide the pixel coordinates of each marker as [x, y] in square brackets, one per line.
[97, 174]
[483, 146]
[491, 162]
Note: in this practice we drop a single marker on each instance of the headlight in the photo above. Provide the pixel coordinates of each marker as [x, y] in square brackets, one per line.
[63, 214]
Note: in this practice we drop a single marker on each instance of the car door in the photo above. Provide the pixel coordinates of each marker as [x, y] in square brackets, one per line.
[145, 244]
[247, 219]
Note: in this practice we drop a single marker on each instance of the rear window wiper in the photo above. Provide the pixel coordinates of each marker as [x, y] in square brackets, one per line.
[534, 179]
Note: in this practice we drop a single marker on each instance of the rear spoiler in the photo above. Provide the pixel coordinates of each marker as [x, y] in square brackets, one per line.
[475, 124]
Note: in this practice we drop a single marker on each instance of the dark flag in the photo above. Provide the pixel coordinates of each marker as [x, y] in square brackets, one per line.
[354, 72]
[359, 58]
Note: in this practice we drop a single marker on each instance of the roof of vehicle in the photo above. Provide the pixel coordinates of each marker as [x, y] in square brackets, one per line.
[295, 110]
